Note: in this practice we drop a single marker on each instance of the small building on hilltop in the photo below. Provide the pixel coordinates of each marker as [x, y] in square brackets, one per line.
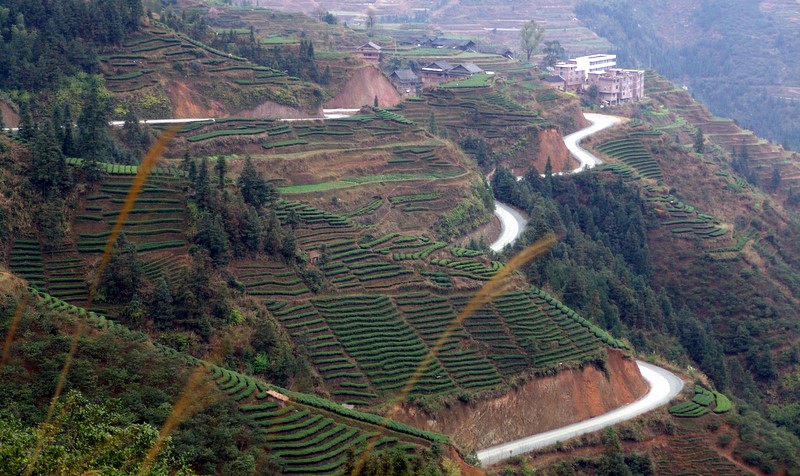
[555, 82]
[618, 85]
[498, 50]
[370, 52]
[406, 80]
[451, 43]
[465, 69]
[573, 79]
[437, 69]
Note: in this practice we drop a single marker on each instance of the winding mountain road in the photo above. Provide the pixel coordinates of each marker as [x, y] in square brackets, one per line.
[664, 385]
[572, 141]
[512, 222]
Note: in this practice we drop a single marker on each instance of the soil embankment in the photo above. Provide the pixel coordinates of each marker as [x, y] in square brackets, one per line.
[362, 88]
[539, 405]
[550, 144]
[273, 109]
[10, 117]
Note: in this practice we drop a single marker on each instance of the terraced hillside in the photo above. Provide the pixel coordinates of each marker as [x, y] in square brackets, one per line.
[492, 23]
[637, 153]
[161, 73]
[388, 301]
[763, 157]
[303, 433]
[156, 226]
[373, 163]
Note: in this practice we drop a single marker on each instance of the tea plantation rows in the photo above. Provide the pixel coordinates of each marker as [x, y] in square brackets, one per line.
[303, 433]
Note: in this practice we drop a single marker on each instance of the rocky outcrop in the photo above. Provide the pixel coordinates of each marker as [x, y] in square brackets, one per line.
[539, 405]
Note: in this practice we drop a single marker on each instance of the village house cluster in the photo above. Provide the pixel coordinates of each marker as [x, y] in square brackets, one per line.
[614, 85]
[437, 71]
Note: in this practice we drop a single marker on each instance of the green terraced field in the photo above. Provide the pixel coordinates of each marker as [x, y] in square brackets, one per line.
[303, 433]
[631, 152]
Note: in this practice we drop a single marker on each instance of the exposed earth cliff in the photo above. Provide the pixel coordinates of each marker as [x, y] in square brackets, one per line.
[540, 404]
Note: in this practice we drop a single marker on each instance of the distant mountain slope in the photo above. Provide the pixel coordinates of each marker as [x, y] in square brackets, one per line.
[736, 56]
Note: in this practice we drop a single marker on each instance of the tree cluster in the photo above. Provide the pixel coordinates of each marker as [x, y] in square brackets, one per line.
[42, 42]
[241, 221]
[127, 391]
[602, 265]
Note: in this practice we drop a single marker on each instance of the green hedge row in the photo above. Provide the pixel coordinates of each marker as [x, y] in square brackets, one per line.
[285, 143]
[224, 133]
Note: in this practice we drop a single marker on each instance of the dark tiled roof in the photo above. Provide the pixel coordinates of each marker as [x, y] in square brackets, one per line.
[405, 75]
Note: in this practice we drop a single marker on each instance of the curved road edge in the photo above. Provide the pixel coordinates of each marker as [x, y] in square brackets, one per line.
[511, 222]
[664, 386]
[572, 141]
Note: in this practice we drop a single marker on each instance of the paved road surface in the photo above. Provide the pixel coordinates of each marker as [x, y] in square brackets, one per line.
[572, 141]
[511, 221]
[664, 386]
[512, 224]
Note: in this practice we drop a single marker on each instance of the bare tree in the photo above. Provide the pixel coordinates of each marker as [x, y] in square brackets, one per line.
[530, 36]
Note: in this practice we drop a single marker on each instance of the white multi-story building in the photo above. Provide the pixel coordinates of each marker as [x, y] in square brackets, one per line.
[595, 63]
[614, 84]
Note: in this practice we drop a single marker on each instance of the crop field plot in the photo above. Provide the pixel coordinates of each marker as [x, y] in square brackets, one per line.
[704, 402]
[490, 112]
[549, 331]
[684, 219]
[632, 153]
[128, 67]
[433, 318]
[688, 453]
[386, 348]
[26, 262]
[344, 378]
[486, 327]
[155, 222]
[269, 279]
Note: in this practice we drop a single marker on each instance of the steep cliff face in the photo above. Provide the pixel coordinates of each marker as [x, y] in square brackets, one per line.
[541, 404]
[549, 144]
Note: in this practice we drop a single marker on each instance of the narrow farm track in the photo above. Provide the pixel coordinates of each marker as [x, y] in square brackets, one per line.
[664, 385]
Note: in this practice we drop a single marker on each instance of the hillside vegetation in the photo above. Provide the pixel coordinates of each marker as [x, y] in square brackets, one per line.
[294, 282]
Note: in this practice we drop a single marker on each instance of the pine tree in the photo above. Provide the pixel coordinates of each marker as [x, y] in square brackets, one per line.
[613, 462]
[26, 126]
[161, 305]
[68, 133]
[699, 145]
[252, 229]
[202, 185]
[2, 121]
[124, 273]
[272, 235]
[255, 190]
[48, 167]
[221, 168]
[212, 236]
